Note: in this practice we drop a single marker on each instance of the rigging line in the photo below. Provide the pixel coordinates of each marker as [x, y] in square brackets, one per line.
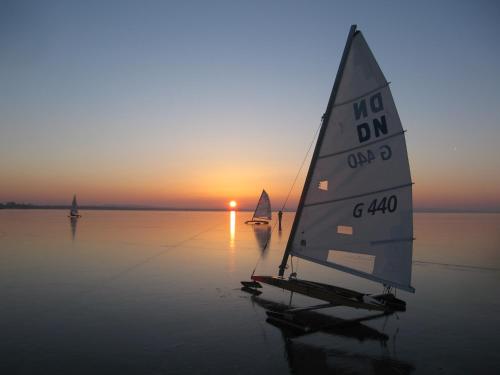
[289, 192]
[302, 164]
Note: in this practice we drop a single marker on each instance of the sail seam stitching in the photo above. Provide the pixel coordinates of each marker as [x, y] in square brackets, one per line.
[361, 96]
[358, 195]
[361, 146]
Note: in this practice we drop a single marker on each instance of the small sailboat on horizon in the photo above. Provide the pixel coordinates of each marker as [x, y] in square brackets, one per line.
[262, 213]
[73, 212]
[355, 212]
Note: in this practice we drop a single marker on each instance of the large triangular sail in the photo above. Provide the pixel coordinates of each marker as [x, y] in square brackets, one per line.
[355, 212]
[263, 209]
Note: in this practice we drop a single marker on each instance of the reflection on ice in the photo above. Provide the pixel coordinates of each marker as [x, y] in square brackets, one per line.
[73, 222]
[163, 288]
[262, 235]
[232, 228]
[305, 357]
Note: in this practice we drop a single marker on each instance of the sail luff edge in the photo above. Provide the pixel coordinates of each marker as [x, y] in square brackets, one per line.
[317, 148]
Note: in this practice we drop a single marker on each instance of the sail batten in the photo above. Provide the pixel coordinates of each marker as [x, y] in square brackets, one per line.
[355, 213]
[361, 146]
[362, 95]
[359, 195]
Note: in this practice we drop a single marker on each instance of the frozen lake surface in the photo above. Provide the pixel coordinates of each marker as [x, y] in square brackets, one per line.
[143, 292]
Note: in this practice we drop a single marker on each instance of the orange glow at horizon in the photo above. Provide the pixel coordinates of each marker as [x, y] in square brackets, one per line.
[188, 128]
[144, 182]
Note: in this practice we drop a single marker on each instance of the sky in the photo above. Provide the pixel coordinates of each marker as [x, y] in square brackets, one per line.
[192, 104]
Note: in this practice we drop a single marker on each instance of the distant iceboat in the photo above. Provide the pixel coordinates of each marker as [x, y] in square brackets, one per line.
[73, 212]
[262, 213]
[355, 213]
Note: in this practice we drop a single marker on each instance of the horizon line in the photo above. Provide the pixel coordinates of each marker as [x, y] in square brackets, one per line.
[27, 206]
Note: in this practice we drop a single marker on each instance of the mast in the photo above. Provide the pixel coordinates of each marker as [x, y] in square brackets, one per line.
[317, 148]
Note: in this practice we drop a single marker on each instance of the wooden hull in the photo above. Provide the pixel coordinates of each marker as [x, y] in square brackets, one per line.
[335, 295]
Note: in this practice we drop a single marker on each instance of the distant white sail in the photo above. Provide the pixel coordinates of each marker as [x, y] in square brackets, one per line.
[263, 209]
[74, 207]
[357, 211]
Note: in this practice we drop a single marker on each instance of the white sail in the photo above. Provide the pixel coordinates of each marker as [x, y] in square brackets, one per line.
[74, 207]
[263, 209]
[356, 213]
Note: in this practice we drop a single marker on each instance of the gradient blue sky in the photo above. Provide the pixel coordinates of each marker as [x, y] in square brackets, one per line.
[195, 103]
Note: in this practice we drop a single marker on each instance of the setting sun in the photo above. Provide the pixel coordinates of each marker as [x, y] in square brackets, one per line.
[232, 204]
